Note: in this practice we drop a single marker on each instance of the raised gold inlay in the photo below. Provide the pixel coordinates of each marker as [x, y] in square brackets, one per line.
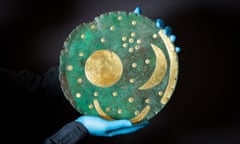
[124, 38]
[108, 109]
[103, 68]
[147, 100]
[119, 111]
[147, 61]
[134, 65]
[131, 40]
[132, 80]
[160, 93]
[139, 41]
[154, 36]
[90, 106]
[124, 45]
[81, 54]
[119, 17]
[114, 93]
[95, 93]
[133, 34]
[134, 22]
[79, 80]
[102, 40]
[82, 36]
[69, 67]
[130, 100]
[159, 71]
[130, 50]
[78, 95]
[112, 28]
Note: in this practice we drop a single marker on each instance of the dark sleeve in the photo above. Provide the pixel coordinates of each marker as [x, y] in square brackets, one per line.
[71, 133]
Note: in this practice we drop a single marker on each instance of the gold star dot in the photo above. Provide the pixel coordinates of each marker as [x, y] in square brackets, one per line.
[69, 67]
[154, 36]
[147, 100]
[78, 95]
[124, 38]
[130, 100]
[137, 47]
[108, 109]
[131, 40]
[82, 36]
[134, 22]
[133, 34]
[95, 93]
[102, 40]
[93, 26]
[79, 80]
[160, 93]
[119, 17]
[136, 112]
[130, 50]
[139, 41]
[81, 54]
[90, 106]
[112, 28]
[114, 93]
[134, 65]
[124, 45]
[119, 111]
[131, 80]
[147, 61]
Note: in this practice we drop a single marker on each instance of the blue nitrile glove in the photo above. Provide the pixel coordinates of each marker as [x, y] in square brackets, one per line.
[100, 127]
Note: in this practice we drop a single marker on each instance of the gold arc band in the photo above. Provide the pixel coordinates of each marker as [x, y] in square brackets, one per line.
[173, 72]
[136, 119]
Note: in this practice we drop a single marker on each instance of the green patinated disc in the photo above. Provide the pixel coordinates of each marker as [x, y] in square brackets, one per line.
[120, 66]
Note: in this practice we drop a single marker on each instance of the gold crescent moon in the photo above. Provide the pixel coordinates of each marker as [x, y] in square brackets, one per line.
[159, 71]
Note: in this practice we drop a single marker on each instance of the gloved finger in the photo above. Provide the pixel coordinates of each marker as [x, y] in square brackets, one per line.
[126, 130]
[159, 23]
[167, 30]
[138, 10]
[172, 38]
[117, 124]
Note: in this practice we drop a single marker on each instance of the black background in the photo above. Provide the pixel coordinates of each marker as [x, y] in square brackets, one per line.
[204, 108]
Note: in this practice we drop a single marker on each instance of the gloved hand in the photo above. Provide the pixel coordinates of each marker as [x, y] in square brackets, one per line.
[100, 127]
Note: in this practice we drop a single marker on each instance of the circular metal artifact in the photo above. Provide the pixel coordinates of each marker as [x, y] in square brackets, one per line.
[120, 66]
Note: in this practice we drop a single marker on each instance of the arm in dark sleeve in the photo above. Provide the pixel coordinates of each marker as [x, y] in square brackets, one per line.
[71, 133]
